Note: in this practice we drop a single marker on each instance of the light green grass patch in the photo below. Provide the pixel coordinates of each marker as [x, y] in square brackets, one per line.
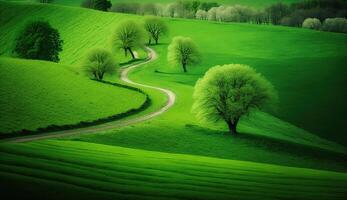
[35, 94]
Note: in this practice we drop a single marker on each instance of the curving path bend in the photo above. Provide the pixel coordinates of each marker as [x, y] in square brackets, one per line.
[152, 55]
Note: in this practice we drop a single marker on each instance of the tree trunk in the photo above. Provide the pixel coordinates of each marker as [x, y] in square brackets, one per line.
[232, 127]
[125, 52]
[149, 41]
[156, 40]
[184, 67]
[131, 52]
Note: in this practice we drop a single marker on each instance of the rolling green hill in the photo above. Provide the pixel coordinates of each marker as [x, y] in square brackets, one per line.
[307, 68]
[36, 94]
[70, 170]
[81, 29]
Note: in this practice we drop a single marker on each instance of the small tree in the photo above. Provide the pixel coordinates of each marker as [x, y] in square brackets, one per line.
[155, 28]
[128, 35]
[39, 40]
[312, 23]
[183, 51]
[229, 92]
[99, 62]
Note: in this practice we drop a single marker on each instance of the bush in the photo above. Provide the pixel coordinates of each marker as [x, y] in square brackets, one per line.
[39, 40]
[312, 23]
[201, 14]
[335, 25]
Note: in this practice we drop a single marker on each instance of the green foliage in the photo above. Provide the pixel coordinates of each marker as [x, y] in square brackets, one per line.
[155, 28]
[312, 23]
[128, 35]
[99, 62]
[183, 51]
[39, 41]
[102, 5]
[229, 92]
[335, 25]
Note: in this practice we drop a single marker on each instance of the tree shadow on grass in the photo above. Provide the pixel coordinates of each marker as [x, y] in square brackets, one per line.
[326, 157]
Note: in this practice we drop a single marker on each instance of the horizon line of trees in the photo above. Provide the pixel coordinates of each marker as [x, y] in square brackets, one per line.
[277, 14]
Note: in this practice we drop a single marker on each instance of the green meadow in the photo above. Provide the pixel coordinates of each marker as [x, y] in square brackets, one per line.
[294, 150]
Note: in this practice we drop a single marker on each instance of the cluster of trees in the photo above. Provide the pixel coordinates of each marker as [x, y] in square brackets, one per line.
[329, 24]
[278, 14]
[102, 5]
[180, 8]
[296, 13]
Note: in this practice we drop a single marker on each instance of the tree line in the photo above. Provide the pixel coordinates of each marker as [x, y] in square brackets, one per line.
[332, 13]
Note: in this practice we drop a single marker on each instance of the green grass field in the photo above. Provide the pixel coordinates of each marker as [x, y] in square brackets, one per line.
[173, 156]
[36, 94]
[79, 169]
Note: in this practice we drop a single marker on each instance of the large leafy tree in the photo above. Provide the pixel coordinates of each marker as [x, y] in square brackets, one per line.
[229, 92]
[99, 62]
[128, 36]
[39, 40]
[184, 52]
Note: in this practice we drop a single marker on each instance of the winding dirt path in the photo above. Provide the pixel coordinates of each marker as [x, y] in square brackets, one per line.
[115, 124]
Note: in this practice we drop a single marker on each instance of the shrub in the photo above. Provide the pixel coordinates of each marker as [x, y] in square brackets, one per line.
[312, 23]
[39, 40]
[335, 25]
[201, 14]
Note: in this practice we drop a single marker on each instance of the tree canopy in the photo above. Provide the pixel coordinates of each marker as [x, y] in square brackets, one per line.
[229, 92]
[184, 52]
[39, 40]
[128, 35]
[99, 62]
[155, 28]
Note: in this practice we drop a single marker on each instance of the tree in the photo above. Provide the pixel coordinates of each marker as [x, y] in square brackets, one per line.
[39, 40]
[312, 23]
[99, 62]
[229, 92]
[128, 35]
[277, 11]
[183, 51]
[102, 5]
[155, 28]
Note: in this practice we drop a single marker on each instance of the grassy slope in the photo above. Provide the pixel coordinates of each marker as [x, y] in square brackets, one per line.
[36, 94]
[78, 170]
[81, 29]
[289, 60]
